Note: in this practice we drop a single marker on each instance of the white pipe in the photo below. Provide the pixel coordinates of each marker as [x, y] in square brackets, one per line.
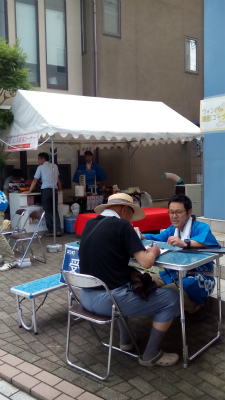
[174, 177]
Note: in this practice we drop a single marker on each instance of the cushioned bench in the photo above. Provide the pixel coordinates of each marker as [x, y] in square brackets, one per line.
[31, 290]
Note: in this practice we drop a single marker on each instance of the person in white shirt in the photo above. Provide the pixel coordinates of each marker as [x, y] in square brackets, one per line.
[44, 172]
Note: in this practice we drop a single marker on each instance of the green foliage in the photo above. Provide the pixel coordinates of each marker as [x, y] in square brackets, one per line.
[13, 74]
[6, 118]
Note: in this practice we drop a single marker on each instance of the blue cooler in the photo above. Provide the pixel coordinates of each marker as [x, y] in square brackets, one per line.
[71, 259]
[69, 224]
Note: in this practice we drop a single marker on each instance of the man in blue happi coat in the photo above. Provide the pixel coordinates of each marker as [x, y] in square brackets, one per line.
[89, 165]
[186, 232]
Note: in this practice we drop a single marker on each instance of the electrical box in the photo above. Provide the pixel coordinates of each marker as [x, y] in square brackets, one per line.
[194, 192]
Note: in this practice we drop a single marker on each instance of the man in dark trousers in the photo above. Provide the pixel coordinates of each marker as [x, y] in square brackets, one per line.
[44, 172]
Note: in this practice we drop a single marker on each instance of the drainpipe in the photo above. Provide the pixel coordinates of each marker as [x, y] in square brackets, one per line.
[95, 50]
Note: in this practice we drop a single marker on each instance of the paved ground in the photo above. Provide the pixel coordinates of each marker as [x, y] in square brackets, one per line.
[35, 364]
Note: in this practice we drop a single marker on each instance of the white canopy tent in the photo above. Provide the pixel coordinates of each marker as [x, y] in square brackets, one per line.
[101, 121]
[105, 122]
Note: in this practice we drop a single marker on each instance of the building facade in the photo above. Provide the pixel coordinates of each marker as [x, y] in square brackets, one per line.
[127, 49]
[214, 86]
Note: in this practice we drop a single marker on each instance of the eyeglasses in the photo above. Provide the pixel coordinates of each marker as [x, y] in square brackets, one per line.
[178, 212]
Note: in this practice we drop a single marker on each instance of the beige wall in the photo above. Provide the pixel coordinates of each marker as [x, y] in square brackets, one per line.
[74, 57]
[147, 63]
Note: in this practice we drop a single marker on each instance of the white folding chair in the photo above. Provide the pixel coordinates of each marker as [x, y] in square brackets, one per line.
[29, 237]
[17, 214]
[78, 281]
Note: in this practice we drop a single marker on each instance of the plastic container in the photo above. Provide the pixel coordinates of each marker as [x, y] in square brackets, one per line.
[68, 224]
[26, 262]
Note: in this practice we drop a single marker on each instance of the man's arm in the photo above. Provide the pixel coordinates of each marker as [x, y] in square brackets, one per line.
[32, 186]
[147, 258]
[59, 185]
[5, 190]
[176, 241]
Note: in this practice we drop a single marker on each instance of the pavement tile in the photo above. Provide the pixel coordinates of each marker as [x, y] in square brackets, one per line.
[7, 389]
[29, 368]
[24, 381]
[48, 378]
[212, 391]
[21, 396]
[214, 380]
[88, 396]
[11, 360]
[185, 387]
[69, 389]
[43, 355]
[7, 372]
[156, 396]
[44, 392]
[64, 396]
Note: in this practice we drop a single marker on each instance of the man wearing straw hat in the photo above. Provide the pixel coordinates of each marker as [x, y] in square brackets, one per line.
[107, 243]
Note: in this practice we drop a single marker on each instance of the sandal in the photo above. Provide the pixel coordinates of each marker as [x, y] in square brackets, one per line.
[162, 360]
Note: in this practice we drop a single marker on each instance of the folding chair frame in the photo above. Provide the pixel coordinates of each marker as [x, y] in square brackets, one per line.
[20, 212]
[80, 281]
[22, 237]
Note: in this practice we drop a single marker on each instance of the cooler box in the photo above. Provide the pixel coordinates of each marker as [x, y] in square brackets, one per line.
[71, 259]
[69, 224]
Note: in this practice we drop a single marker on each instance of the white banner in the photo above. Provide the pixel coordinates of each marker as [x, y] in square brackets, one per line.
[212, 114]
[86, 146]
[27, 141]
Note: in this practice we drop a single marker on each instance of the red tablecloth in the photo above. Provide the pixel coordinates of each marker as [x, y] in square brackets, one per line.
[155, 218]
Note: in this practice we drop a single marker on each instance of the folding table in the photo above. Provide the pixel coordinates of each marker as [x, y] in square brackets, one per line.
[182, 261]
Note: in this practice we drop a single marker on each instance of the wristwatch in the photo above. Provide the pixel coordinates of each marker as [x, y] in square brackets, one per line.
[188, 243]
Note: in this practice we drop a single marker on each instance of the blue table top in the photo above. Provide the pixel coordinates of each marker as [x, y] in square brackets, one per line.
[184, 260]
[40, 286]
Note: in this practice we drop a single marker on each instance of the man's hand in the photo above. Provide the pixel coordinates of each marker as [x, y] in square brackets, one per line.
[176, 241]
[147, 258]
[136, 230]
[155, 250]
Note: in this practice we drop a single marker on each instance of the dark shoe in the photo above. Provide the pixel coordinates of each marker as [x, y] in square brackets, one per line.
[48, 234]
[58, 234]
[128, 346]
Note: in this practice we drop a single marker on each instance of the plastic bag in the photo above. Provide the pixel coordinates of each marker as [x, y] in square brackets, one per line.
[75, 208]
[146, 200]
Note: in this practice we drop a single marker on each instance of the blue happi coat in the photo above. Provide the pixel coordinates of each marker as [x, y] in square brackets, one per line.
[198, 287]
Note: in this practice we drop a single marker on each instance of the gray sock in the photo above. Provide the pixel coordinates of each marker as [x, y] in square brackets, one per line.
[153, 346]
[124, 335]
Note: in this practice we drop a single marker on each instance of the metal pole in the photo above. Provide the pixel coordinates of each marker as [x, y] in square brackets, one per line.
[95, 50]
[54, 247]
[53, 188]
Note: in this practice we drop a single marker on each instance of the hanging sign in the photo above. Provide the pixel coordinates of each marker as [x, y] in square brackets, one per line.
[27, 141]
[86, 146]
[212, 114]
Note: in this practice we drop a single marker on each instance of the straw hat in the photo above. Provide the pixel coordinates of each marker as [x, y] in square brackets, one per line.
[122, 199]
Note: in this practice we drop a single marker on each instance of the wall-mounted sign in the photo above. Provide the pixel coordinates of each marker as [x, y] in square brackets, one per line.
[212, 114]
[27, 141]
[86, 146]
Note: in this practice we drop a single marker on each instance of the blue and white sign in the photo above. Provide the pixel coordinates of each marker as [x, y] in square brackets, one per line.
[71, 259]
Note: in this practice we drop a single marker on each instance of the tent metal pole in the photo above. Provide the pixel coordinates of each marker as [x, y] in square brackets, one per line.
[129, 158]
[53, 248]
[53, 187]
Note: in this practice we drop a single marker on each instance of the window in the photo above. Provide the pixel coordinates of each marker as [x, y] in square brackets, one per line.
[111, 17]
[83, 26]
[27, 33]
[191, 55]
[3, 20]
[55, 13]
